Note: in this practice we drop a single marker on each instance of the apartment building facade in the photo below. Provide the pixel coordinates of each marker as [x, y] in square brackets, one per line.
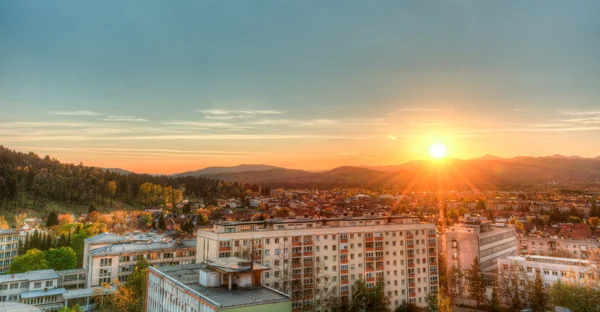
[9, 248]
[398, 252]
[478, 238]
[543, 246]
[551, 269]
[108, 257]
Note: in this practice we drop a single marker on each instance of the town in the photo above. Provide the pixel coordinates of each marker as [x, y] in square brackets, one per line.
[313, 250]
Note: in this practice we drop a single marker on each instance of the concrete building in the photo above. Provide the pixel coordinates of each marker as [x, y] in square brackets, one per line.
[45, 289]
[227, 284]
[108, 257]
[551, 269]
[540, 245]
[399, 252]
[475, 237]
[18, 307]
[9, 247]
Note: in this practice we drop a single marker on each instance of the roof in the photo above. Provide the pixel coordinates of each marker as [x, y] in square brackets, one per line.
[188, 276]
[42, 293]
[17, 307]
[86, 292]
[233, 264]
[8, 232]
[116, 249]
[558, 260]
[29, 276]
[106, 238]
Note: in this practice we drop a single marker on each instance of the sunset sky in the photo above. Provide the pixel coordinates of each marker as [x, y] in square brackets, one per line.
[171, 86]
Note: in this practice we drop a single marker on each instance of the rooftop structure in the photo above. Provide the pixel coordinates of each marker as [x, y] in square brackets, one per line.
[204, 287]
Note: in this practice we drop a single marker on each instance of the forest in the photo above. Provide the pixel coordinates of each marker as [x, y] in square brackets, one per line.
[28, 181]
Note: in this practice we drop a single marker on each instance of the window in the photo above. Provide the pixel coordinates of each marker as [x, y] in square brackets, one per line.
[37, 285]
[48, 284]
[106, 262]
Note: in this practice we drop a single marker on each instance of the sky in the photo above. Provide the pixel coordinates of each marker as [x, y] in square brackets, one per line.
[169, 86]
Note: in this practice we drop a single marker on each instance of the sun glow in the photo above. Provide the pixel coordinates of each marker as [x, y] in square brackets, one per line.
[437, 150]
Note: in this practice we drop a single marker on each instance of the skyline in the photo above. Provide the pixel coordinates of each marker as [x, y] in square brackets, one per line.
[165, 88]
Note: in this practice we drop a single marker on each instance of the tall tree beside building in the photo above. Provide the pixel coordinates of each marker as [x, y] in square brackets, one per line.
[537, 297]
[511, 294]
[455, 283]
[475, 284]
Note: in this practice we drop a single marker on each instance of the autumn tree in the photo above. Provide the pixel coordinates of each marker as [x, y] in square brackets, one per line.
[4, 224]
[537, 297]
[112, 189]
[455, 283]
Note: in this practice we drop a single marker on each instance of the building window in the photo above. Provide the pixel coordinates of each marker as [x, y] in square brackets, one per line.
[106, 262]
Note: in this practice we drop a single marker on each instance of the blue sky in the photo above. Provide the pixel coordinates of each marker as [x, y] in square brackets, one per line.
[166, 86]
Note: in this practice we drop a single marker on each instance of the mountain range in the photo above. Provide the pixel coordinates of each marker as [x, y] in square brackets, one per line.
[486, 172]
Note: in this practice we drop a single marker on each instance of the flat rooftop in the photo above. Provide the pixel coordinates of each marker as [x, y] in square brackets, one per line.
[29, 276]
[189, 275]
[135, 247]
[545, 259]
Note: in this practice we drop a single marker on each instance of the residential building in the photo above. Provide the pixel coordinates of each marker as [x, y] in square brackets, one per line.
[398, 252]
[108, 257]
[551, 269]
[9, 248]
[555, 245]
[226, 284]
[477, 237]
[45, 289]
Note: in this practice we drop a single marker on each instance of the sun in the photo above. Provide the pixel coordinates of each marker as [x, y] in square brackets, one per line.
[437, 150]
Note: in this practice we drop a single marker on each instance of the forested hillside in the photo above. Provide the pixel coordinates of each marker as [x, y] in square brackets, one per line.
[28, 181]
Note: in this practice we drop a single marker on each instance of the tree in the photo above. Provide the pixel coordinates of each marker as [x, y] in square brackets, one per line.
[161, 221]
[4, 224]
[92, 208]
[112, 188]
[63, 258]
[475, 284]
[75, 308]
[480, 205]
[432, 303]
[326, 296]
[495, 301]
[594, 222]
[365, 299]
[546, 219]
[576, 297]
[444, 303]
[33, 260]
[455, 283]
[536, 294]
[511, 294]
[574, 219]
[65, 219]
[137, 283]
[519, 225]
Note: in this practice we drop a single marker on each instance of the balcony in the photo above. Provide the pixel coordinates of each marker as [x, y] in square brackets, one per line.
[379, 268]
[344, 251]
[379, 238]
[221, 249]
[379, 258]
[368, 239]
[432, 244]
[379, 248]
[380, 278]
[308, 297]
[434, 282]
[308, 243]
[296, 254]
[344, 282]
[343, 240]
[345, 261]
[433, 263]
[431, 235]
[308, 286]
[410, 256]
[411, 265]
[259, 246]
[370, 259]
[410, 236]
[370, 279]
[296, 265]
[411, 285]
[297, 276]
[296, 244]
[308, 253]
[308, 264]
[411, 274]
[369, 249]
[412, 295]
[345, 293]
[370, 269]
[343, 272]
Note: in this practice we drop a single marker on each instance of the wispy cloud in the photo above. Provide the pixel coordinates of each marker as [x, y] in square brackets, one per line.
[577, 113]
[76, 113]
[246, 112]
[391, 137]
[125, 118]
[415, 109]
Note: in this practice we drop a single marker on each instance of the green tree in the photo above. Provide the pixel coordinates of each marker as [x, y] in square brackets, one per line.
[32, 260]
[574, 219]
[546, 219]
[63, 258]
[475, 284]
[432, 303]
[365, 299]
[576, 297]
[112, 189]
[495, 301]
[137, 283]
[75, 308]
[92, 208]
[454, 286]
[480, 205]
[536, 293]
[161, 222]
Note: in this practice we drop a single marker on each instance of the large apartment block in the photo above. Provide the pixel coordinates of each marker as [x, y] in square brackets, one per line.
[9, 247]
[478, 238]
[108, 257]
[398, 252]
[551, 269]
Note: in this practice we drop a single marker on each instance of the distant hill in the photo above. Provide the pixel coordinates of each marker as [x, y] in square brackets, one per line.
[116, 170]
[481, 173]
[220, 170]
[488, 157]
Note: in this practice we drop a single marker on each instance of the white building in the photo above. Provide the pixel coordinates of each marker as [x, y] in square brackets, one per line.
[478, 238]
[108, 257]
[229, 284]
[399, 252]
[9, 247]
[551, 269]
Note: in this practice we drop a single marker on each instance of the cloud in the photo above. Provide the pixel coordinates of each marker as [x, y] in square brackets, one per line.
[417, 110]
[246, 112]
[391, 137]
[76, 113]
[573, 113]
[125, 118]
